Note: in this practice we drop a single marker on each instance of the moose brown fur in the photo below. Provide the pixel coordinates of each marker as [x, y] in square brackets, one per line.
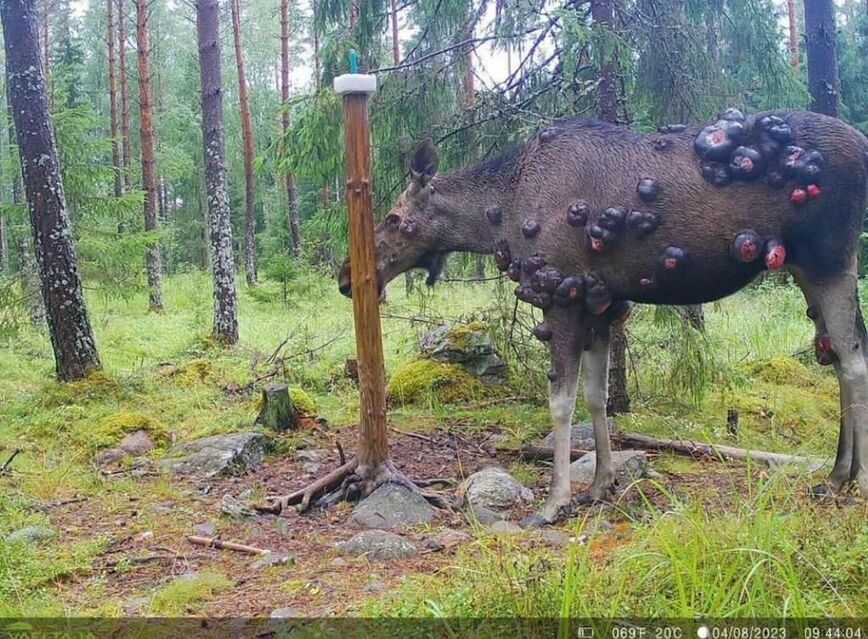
[623, 217]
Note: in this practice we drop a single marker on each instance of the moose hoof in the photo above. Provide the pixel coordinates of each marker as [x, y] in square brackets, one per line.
[820, 491]
[541, 519]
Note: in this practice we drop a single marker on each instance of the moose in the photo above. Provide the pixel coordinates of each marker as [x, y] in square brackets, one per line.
[589, 217]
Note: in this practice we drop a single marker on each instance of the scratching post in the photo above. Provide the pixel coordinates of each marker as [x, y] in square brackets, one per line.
[373, 443]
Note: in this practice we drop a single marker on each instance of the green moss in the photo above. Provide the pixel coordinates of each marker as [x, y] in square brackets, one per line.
[111, 429]
[302, 401]
[94, 387]
[194, 372]
[424, 380]
[784, 370]
[461, 336]
[181, 595]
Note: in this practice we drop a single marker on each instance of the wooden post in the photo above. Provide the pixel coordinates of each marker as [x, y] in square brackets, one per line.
[373, 444]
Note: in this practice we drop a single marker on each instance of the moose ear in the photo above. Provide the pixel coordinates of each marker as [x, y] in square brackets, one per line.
[423, 166]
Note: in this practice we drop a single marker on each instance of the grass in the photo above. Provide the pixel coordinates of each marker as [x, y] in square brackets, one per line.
[765, 552]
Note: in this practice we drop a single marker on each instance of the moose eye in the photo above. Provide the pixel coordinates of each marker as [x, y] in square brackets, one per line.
[393, 221]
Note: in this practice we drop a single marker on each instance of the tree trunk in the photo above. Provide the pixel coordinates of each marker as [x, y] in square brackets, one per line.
[113, 97]
[126, 150]
[793, 41]
[603, 12]
[149, 175]
[4, 246]
[292, 199]
[247, 139]
[29, 274]
[71, 335]
[316, 60]
[222, 258]
[820, 30]
[396, 47]
[46, 40]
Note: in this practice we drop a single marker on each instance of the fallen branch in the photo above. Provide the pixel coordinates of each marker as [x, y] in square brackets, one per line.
[411, 434]
[210, 542]
[5, 467]
[303, 497]
[715, 451]
[529, 452]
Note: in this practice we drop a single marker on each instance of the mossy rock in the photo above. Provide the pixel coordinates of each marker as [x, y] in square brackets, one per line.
[302, 401]
[95, 387]
[422, 380]
[464, 336]
[196, 371]
[784, 370]
[111, 429]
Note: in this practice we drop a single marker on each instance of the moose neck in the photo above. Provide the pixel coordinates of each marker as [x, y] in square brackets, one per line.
[469, 192]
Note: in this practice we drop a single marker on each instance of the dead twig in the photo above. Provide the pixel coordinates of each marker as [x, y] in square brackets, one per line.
[5, 467]
[412, 434]
[210, 542]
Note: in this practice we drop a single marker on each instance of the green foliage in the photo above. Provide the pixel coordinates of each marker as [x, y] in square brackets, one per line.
[302, 401]
[111, 429]
[186, 593]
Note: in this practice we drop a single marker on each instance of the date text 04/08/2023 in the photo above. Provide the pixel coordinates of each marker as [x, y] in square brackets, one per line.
[768, 629]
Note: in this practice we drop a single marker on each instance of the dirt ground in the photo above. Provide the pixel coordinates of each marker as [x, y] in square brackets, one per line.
[148, 545]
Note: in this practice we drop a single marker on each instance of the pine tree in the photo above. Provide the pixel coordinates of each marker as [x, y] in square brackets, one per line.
[291, 195]
[126, 148]
[247, 142]
[71, 335]
[222, 258]
[820, 35]
[149, 175]
[113, 97]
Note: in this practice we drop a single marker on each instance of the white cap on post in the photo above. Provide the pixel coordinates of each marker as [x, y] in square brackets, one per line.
[355, 83]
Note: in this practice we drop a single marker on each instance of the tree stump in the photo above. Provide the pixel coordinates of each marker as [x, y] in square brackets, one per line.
[351, 369]
[277, 412]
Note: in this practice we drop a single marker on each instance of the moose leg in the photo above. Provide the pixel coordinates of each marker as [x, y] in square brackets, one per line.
[595, 380]
[839, 311]
[566, 350]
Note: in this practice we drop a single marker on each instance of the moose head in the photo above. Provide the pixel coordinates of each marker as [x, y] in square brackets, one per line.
[418, 230]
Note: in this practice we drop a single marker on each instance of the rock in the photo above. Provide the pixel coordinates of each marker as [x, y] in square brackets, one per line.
[311, 454]
[137, 443]
[205, 529]
[30, 535]
[483, 515]
[494, 489]
[378, 544]
[232, 454]
[286, 613]
[392, 506]
[467, 345]
[553, 537]
[233, 507]
[446, 539]
[311, 468]
[338, 562]
[161, 508]
[504, 527]
[272, 559]
[581, 436]
[629, 466]
[108, 456]
[135, 606]
[374, 586]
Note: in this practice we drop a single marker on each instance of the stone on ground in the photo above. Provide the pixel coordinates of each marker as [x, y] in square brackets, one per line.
[270, 559]
[629, 466]
[286, 613]
[231, 454]
[493, 489]
[467, 345]
[381, 545]
[135, 444]
[553, 537]
[581, 437]
[205, 529]
[30, 534]
[392, 506]
[235, 508]
[446, 538]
